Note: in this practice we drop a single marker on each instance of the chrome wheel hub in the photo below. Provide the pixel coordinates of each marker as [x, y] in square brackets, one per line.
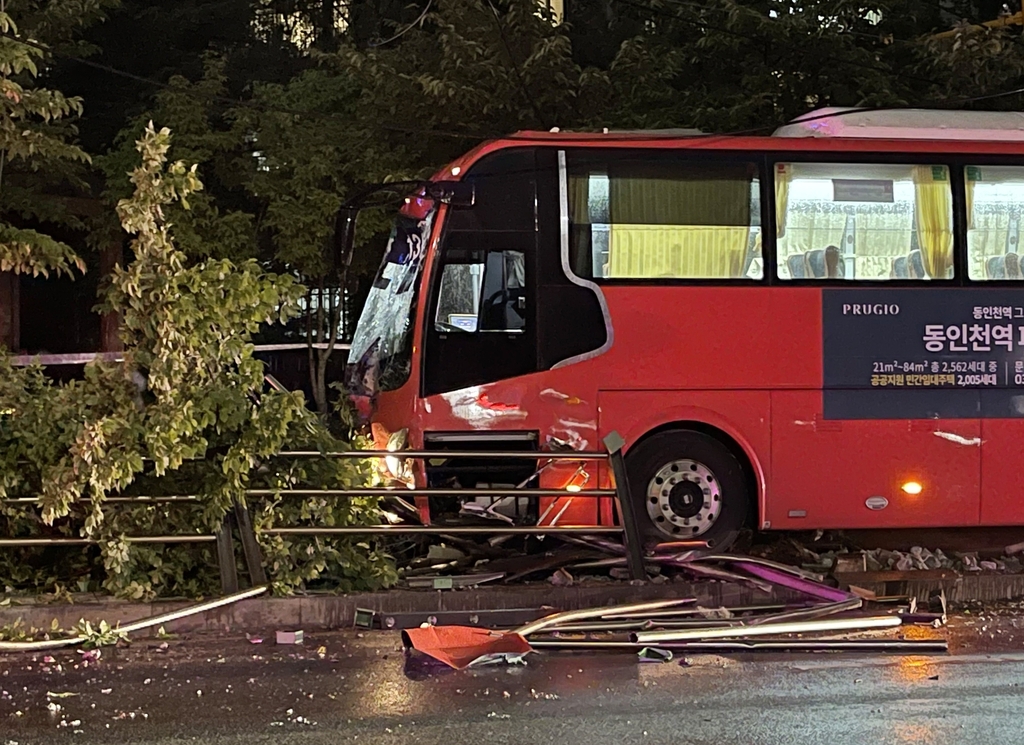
[683, 498]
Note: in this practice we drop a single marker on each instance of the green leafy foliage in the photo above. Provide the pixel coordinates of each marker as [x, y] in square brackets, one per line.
[100, 635]
[32, 139]
[187, 407]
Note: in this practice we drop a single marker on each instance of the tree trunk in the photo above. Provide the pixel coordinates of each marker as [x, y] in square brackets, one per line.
[110, 323]
[10, 311]
[326, 26]
[326, 325]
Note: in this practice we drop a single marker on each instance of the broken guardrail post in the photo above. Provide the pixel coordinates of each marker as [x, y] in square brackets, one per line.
[627, 509]
[250, 546]
[226, 557]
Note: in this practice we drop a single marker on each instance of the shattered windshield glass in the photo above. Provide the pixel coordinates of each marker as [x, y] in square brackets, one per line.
[381, 353]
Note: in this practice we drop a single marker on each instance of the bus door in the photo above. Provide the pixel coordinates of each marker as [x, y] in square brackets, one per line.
[481, 326]
[481, 321]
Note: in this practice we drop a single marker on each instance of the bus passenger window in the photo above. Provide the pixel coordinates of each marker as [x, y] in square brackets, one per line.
[995, 202]
[489, 295]
[867, 222]
[641, 217]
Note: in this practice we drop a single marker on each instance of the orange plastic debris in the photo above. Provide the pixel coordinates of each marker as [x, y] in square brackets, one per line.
[461, 646]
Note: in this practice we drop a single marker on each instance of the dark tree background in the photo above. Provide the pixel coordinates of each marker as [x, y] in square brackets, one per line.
[290, 106]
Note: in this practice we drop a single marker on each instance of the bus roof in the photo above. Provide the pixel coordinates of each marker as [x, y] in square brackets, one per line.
[831, 130]
[910, 124]
[851, 123]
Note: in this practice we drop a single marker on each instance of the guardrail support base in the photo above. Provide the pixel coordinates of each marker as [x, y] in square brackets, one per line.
[627, 509]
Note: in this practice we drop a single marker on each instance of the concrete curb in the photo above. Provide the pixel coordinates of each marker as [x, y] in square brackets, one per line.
[324, 612]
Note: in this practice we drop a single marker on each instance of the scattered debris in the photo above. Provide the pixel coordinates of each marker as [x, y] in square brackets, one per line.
[1014, 548]
[439, 582]
[654, 654]
[289, 637]
[364, 618]
[562, 578]
[441, 553]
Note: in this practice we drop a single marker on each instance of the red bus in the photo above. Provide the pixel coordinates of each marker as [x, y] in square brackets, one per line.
[823, 328]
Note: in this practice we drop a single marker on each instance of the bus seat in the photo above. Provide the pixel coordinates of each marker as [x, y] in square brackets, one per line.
[1012, 263]
[816, 263]
[915, 265]
[835, 264]
[899, 268]
[797, 264]
[995, 267]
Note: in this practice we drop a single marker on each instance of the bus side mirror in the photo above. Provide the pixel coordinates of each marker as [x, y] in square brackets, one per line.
[344, 237]
[454, 193]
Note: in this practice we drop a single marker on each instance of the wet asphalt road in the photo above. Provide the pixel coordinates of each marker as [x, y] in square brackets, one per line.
[363, 690]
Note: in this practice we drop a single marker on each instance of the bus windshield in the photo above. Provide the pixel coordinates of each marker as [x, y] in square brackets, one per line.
[381, 354]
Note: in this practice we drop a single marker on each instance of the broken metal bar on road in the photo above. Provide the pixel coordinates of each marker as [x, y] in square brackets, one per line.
[586, 613]
[816, 611]
[788, 579]
[716, 573]
[145, 623]
[706, 611]
[915, 646]
[794, 627]
[912, 646]
[598, 543]
[641, 625]
[613, 561]
[796, 571]
[719, 612]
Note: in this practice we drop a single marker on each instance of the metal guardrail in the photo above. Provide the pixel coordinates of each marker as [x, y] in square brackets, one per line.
[84, 358]
[240, 518]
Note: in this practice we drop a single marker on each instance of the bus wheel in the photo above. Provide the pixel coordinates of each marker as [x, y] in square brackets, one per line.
[691, 486]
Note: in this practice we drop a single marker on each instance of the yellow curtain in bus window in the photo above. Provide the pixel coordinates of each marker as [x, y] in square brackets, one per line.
[783, 178]
[690, 224]
[933, 207]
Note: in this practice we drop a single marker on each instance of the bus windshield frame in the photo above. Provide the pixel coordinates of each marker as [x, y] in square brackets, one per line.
[381, 355]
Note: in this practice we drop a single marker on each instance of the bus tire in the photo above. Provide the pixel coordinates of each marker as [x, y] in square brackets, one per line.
[688, 486]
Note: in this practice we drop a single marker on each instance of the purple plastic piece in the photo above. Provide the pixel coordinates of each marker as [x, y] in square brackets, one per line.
[794, 583]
